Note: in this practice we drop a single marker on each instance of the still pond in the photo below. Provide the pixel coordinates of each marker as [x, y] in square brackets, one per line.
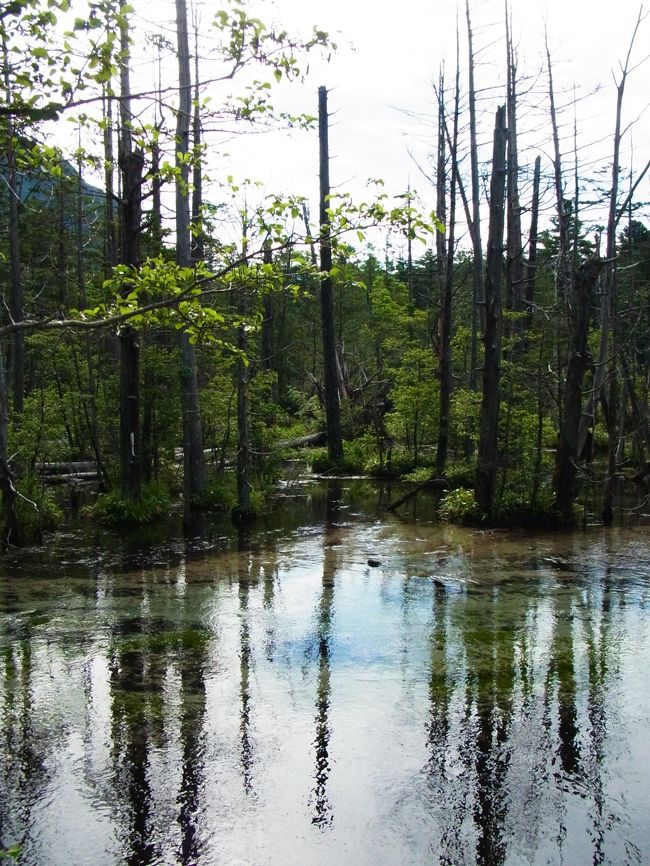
[266, 698]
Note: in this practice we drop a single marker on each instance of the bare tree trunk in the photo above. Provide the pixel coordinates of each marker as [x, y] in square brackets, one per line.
[150, 457]
[478, 290]
[268, 342]
[531, 264]
[110, 250]
[198, 240]
[563, 281]
[608, 296]
[487, 458]
[332, 408]
[16, 299]
[90, 405]
[244, 509]
[562, 272]
[514, 274]
[194, 477]
[131, 165]
[537, 468]
[566, 465]
[445, 371]
[10, 528]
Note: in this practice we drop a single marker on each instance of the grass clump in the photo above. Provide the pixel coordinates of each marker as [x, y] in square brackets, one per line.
[220, 494]
[36, 510]
[111, 509]
[459, 506]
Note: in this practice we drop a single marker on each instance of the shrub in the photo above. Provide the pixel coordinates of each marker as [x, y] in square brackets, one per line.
[420, 475]
[36, 509]
[219, 495]
[459, 506]
[515, 511]
[111, 509]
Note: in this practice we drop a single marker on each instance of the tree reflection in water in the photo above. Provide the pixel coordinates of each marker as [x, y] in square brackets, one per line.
[323, 814]
[233, 706]
[135, 690]
[245, 576]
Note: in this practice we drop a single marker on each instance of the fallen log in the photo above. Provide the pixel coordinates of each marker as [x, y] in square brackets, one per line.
[69, 467]
[71, 478]
[313, 439]
[438, 483]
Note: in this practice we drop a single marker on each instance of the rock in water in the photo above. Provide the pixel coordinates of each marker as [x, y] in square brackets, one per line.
[374, 563]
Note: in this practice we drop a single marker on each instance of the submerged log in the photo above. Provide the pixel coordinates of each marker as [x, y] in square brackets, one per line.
[71, 467]
[437, 483]
[313, 439]
[72, 478]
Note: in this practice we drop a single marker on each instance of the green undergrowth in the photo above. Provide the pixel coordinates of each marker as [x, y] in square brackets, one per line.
[459, 506]
[111, 509]
[361, 457]
[36, 510]
[220, 494]
[10, 855]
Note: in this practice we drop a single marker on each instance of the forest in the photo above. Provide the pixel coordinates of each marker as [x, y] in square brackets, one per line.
[168, 334]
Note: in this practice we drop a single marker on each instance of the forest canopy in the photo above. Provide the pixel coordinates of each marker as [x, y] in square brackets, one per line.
[171, 331]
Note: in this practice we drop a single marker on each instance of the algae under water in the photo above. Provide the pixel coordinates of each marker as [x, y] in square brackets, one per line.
[265, 698]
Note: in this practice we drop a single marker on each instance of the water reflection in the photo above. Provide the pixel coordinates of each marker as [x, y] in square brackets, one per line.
[323, 814]
[193, 665]
[246, 575]
[479, 699]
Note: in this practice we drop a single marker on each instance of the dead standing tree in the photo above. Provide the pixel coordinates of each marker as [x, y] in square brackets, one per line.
[332, 407]
[487, 458]
[566, 464]
[514, 267]
[608, 299]
[194, 475]
[446, 270]
[131, 161]
[478, 289]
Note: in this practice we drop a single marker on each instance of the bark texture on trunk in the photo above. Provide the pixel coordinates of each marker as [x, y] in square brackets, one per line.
[16, 299]
[531, 264]
[514, 257]
[478, 288]
[566, 465]
[446, 273]
[194, 475]
[131, 163]
[487, 459]
[332, 407]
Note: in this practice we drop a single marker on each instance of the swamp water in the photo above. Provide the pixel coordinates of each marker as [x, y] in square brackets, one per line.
[268, 699]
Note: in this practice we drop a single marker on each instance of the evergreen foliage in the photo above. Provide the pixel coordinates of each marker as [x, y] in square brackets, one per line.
[250, 309]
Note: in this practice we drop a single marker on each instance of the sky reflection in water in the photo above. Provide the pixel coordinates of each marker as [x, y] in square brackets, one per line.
[270, 700]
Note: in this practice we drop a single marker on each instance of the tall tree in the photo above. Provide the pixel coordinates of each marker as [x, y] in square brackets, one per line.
[566, 463]
[487, 458]
[531, 264]
[608, 289]
[131, 162]
[447, 272]
[193, 461]
[514, 272]
[16, 299]
[332, 407]
[478, 291]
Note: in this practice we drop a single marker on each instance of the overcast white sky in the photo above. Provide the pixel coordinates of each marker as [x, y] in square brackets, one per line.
[397, 50]
[381, 96]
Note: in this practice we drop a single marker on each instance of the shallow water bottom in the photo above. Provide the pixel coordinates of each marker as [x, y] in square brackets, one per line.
[269, 699]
